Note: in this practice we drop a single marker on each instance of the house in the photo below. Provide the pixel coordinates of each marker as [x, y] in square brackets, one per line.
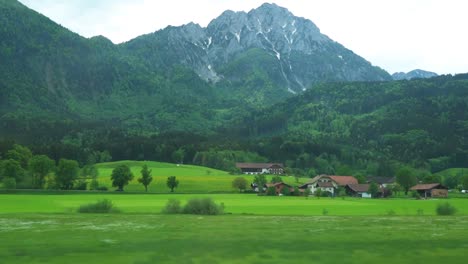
[328, 183]
[279, 187]
[381, 181]
[261, 168]
[359, 190]
[431, 190]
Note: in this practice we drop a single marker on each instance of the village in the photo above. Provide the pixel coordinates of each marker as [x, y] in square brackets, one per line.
[334, 185]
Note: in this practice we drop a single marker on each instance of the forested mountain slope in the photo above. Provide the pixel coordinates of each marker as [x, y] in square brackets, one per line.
[178, 78]
[420, 122]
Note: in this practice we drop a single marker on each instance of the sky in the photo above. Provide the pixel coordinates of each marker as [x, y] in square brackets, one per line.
[396, 35]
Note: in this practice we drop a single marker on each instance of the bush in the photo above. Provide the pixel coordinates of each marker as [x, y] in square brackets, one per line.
[271, 191]
[94, 185]
[101, 206]
[172, 207]
[102, 188]
[415, 195]
[445, 209]
[80, 185]
[9, 183]
[203, 206]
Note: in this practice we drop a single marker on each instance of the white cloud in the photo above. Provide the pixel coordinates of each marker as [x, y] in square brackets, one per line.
[397, 35]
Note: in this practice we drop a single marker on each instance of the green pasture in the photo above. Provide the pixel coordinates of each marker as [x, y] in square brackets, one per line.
[247, 204]
[151, 238]
[192, 179]
[45, 228]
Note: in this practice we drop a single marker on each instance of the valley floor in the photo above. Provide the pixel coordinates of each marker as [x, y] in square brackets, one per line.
[136, 238]
[47, 229]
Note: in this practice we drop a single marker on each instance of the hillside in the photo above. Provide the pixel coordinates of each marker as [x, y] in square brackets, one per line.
[164, 81]
[374, 126]
[192, 179]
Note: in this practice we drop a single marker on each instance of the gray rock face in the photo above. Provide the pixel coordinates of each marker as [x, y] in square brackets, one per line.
[414, 74]
[302, 54]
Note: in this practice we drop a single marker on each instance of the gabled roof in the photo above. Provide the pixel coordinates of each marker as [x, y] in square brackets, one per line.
[359, 187]
[381, 180]
[325, 184]
[340, 180]
[277, 184]
[427, 186]
[257, 165]
[344, 180]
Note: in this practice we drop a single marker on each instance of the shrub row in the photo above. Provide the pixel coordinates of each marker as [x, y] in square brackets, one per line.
[198, 206]
[101, 206]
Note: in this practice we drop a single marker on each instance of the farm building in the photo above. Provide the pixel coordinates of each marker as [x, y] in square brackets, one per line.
[261, 168]
[358, 190]
[381, 181]
[279, 187]
[328, 183]
[431, 190]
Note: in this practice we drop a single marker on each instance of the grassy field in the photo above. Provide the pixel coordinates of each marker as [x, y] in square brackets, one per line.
[192, 179]
[38, 228]
[235, 203]
[143, 238]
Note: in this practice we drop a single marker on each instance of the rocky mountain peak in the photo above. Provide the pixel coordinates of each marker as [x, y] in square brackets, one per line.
[299, 54]
[414, 74]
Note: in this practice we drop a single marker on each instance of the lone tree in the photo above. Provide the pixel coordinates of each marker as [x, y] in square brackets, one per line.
[276, 179]
[260, 181]
[405, 178]
[172, 182]
[121, 176]
[373, 189]
[66, 174]
[464, 181]
[145, 177]
[40, 166]
[239, 183]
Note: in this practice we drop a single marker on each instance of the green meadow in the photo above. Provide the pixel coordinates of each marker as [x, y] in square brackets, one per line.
[41, 228]
[192, 179]
[242, 204]
[44, 227]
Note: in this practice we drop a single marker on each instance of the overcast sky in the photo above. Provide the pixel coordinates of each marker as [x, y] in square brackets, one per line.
[396, 35]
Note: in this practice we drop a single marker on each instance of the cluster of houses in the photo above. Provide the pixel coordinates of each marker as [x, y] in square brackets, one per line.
[331, 184]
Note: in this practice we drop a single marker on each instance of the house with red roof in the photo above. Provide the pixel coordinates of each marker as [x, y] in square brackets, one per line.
[329, 183]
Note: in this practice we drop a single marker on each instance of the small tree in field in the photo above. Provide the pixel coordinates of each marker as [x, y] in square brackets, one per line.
[40, 166]
[172, 182]
[146, 178]
[121, 176]
[318, 193]
[307, 192]
[239, 183]
[66, 173]
[276, 179]
[260, 181]
[373, 189]
[405, 178]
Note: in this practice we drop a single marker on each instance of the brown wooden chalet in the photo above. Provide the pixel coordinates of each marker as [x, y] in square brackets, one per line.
[261, 168]
[279, 187]
[431, 190]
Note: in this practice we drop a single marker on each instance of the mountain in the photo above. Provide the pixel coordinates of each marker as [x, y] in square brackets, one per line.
[421, 122]
[269, 41]
[178, 78]
[414, 74]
